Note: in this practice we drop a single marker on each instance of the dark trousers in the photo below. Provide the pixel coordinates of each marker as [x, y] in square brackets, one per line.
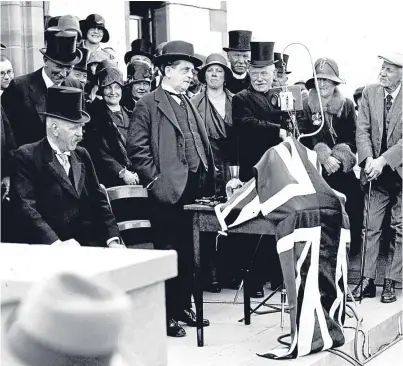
[172, 228]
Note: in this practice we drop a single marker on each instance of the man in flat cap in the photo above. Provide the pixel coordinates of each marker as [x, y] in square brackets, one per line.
[169, 148]
[26, 97]
[55, 192]
[379, 145]
[238, 52]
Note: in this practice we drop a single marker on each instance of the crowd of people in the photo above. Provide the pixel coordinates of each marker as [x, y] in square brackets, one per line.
[179, 125]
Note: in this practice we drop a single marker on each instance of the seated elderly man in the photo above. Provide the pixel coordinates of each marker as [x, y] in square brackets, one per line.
[55, 192]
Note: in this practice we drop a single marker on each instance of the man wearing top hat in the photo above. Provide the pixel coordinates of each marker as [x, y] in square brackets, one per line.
[379, 147]
[55, 192]
[257, 128]
[141, 50]
[26, 97]
[238, 52]
[80, 70]
[168, 145]
[281, 72]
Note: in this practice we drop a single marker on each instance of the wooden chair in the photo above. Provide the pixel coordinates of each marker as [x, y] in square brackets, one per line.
[131, 193]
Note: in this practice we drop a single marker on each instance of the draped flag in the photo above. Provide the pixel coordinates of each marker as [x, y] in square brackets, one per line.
[312, 233]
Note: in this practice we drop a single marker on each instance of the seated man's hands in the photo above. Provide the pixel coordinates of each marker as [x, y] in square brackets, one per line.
[374, 167]
[332, 165]
[116, 244]
[130, 178]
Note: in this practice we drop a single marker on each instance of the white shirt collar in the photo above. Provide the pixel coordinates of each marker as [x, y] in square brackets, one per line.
[55, 148]
[236, 76]
[395, 93]
[46, 79]
[168, 88]
[1, 91]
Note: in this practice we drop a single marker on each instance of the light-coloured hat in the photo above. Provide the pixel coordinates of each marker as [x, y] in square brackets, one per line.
[325, 68]
[66, 320]
[214, 59]
[393, 58]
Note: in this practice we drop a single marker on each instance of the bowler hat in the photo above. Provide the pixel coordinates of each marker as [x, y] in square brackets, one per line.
[65, 103]
[325, 68]
[65, 320]
[94, 21]
[177, 50]
[279, 64]
[261, 54]
[67, 23]
[82, 65]
[393, 58]
[61, 48]
[107, 74]
[214, 59]
[141, 47]
[139, 71]
[239, 40]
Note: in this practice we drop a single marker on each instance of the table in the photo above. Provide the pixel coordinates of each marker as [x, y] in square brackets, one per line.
[205, 220]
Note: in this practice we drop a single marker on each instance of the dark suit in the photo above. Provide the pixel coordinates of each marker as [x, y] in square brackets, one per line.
[235, 85]
[387, 188]
[156, 147]
[49, 207]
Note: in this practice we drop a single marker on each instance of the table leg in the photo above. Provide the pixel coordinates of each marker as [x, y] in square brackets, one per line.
[198, 291]
[246, 297]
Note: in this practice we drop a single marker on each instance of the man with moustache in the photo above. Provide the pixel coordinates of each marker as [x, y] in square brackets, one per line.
[379, 146]
[26, 97]
[238, 53]
[257, 129]
[168, 146]
[55, 192]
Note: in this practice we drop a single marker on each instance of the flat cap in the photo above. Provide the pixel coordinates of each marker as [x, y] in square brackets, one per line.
[393, 58]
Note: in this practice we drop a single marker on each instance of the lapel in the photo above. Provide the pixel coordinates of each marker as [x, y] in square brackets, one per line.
[165, 107]
[395, 113]
[379, 108]
[38, 93]
[78, 169]
[57, 170]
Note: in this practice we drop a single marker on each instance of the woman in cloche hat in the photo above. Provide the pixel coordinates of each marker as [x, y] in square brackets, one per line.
[335, 143]
[94, 32]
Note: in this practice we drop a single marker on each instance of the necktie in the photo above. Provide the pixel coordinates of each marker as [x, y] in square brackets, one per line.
[64, 160]
[388, 103]
[181, 98]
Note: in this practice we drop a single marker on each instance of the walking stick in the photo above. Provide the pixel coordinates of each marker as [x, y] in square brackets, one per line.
[364, 249]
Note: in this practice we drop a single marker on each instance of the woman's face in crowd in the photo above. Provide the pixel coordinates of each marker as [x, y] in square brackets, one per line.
[112, 94]
[7, 73]
[95, 35]
[326, 87]
[140, 88]
[215, 77]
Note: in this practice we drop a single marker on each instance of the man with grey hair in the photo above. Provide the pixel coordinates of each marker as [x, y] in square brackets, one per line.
[55, 192]
[379, 146]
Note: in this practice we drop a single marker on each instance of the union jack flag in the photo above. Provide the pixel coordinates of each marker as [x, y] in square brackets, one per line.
[312, 233]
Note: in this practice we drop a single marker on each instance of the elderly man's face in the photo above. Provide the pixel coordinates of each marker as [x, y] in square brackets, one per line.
[140, 88]
[180, 76]
[239, 61]
[390, 76]
[81, 76]
[215, 77]
[67, 134]
[262, 78]
[95, 35]
[56, 72]
[280, 79]
[7, 73]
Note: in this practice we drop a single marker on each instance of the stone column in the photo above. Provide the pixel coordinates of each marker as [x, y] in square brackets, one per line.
[22, 33]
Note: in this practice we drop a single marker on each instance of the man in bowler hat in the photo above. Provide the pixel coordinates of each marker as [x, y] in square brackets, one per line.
[238, 52]
[55, 192]
[169, 148]
[26, 97]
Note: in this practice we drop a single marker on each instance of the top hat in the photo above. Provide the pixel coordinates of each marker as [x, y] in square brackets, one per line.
[94, 21]
[262, 54]
[61, 48]
[67, 23]
[65, 103]
[393, 58]
[239, 40]
[214, 59]
[178, 50]
[53, 22]
[3, 47]
[141, 47]
[325, 68]
[65, 320]
[279, 64]
[82, 65]
[107, 73]
[139, 71]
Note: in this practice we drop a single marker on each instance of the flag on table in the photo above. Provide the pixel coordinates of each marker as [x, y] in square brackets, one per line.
[312, 234]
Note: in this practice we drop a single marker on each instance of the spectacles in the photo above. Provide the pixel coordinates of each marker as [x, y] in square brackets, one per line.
[8, 72]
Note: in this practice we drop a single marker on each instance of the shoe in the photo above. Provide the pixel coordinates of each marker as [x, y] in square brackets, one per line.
[213, 287]
[257, 292]
[189, 317]
[388, 292]
[174, 329]
[368, 290]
